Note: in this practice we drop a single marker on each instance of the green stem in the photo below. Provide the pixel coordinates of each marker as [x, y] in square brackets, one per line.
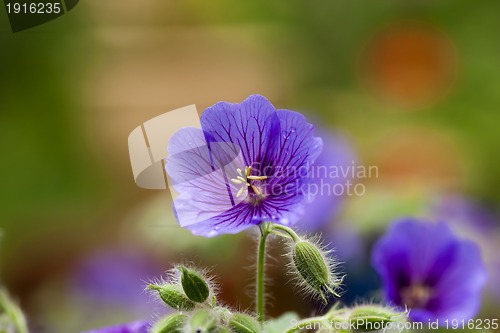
[288, 230]
[13, 312]
[261, 257]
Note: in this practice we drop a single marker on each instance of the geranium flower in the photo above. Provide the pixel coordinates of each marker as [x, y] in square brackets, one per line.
[134, 327]
[474, 221]
[249, 163]
[425, 267]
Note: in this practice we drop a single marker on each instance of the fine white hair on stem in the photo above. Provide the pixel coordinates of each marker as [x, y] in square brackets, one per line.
[270, 262]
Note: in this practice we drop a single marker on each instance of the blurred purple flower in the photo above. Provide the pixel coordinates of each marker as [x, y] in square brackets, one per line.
[248, 164]
[115, 278]
[464, 213]
[332, 172]
[134, 327]
[427, 268]
[474, 221]
[347, 244]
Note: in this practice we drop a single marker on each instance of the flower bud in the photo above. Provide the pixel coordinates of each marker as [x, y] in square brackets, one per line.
[203, 321]
[222, 313]
[194, 285]
[243, 323]
[314, 268]
[173, 296]
[369, 318]
[170, 324]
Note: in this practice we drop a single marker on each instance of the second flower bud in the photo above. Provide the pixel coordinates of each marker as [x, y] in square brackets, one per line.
[314, 269]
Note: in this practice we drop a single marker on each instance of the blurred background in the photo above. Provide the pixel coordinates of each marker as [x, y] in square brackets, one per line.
[410, 86]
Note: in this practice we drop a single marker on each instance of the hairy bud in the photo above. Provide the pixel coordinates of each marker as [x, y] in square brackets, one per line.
[194, 285]
[170, 324]
[224, 314]
[243, 323]
[203, 321]
[315, 270]
[173, 296]
[370, 318]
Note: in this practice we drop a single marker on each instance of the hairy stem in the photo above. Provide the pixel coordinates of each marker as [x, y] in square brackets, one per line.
[287, 230]
[261, 257]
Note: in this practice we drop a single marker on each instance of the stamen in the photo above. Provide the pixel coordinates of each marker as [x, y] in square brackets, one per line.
[240, 192]
[244, 181]
[256, 177]
[256, 190]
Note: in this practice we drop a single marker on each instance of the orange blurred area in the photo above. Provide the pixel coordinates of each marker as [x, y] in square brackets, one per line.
[420, 155]
[410, 64]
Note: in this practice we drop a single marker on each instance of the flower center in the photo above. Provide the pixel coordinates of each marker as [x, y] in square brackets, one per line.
[246, 180]
[416, 296]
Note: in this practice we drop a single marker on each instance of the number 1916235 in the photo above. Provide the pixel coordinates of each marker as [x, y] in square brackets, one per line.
[33, 8]
[473, 324]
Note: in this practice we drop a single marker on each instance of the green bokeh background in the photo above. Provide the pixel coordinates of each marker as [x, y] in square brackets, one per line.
[72, 89]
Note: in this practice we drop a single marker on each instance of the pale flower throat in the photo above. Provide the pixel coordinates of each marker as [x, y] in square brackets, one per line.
[247, 180]
[416, 296]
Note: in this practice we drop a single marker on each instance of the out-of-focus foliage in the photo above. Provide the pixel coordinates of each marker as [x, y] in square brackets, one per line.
[412, 84]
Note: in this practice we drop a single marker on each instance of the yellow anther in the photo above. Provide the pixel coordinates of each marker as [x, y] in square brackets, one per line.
[256, 177]
[237, 181]
[244, 181]
[240, 191]
[256, 190]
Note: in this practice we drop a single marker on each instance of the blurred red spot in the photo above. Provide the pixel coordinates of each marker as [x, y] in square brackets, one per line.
[409, 64]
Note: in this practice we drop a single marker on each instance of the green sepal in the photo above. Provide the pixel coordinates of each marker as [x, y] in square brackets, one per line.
[203, 321]
[173, 296]
[170, 324]
[370, 318]
[194, 285]
[243, 323]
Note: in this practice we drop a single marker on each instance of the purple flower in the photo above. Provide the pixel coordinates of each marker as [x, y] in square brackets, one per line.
[331, 177]
[464, 213]
[474, 221]
[134, 327]
[427, 268]
[249, 163]
[114, 278]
